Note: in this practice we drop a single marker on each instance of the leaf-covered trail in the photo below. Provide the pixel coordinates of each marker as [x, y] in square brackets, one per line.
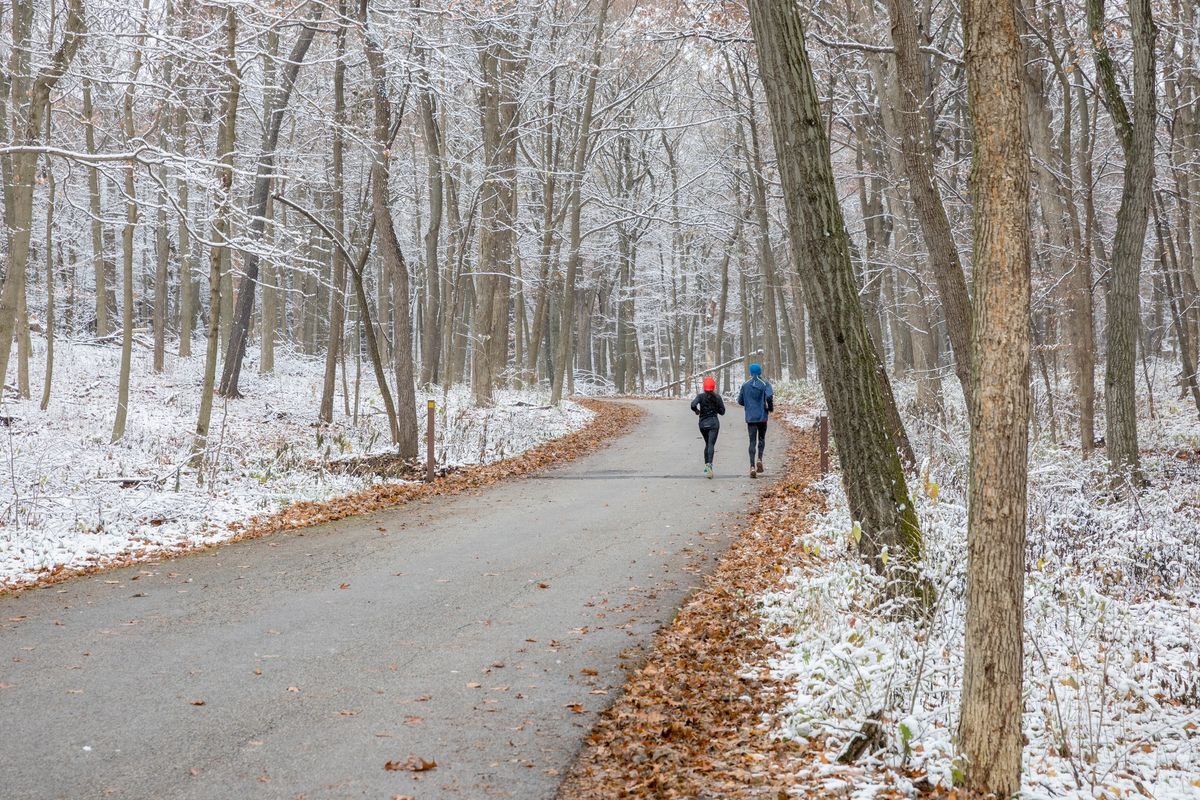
[480, 632]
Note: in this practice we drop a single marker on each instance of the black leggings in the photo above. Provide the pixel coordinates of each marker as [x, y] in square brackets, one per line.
[710, 442]
[758, 433]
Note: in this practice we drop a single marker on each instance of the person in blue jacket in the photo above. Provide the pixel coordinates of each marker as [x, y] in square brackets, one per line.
[757, 397]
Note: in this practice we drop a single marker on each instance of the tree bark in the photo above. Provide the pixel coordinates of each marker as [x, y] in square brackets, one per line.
[871, 469]
[990, 722]
[1136, 135]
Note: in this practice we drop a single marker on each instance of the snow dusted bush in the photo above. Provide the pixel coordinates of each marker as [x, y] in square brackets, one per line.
[1112, 672]
[72, 499]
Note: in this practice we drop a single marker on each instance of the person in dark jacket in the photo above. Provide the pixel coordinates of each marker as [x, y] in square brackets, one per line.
[757, 397]
[709, 407]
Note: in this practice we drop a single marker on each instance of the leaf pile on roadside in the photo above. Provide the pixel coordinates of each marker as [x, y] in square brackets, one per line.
[690, 723]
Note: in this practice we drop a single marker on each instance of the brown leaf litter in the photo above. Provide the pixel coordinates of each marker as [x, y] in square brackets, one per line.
[693, 722]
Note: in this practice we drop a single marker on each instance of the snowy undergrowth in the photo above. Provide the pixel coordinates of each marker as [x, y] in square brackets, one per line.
[1112, 671]
[62, 504]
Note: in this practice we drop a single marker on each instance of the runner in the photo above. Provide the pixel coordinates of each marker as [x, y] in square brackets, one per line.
[708, 405]
[757, 397]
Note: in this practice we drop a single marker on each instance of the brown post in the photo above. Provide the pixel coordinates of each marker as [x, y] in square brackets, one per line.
[430, 406]
[823, 428]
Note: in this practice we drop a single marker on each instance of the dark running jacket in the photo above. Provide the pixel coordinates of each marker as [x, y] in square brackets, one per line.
[707, 406]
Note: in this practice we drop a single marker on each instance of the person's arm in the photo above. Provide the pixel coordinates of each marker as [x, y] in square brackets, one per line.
[742, 395]
[720, 405]
[770, 399]
[696, 404]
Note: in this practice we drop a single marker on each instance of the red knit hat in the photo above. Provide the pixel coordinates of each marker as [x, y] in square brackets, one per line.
[710, 385]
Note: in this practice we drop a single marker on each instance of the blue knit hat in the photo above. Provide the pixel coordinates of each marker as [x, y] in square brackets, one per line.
[756, 369]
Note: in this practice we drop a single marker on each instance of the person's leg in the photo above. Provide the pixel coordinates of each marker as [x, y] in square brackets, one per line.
[752, 430]
[762, 442]
[710, 449]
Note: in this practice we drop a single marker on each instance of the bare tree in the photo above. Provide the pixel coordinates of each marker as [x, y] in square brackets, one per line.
[990, 724]
[1136, 135]
[871, 470]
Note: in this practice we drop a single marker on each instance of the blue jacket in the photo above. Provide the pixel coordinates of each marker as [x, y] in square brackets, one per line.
[758, 399]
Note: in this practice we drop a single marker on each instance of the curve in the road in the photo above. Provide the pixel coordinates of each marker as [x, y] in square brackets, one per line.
[480, 632]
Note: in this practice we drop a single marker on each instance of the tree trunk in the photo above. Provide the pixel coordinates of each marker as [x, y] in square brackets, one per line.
[32, 98]
[226, 139]
[990, 721]
[264, 173]
[1121, 295]
[389, 247]
[105, 297]
[131, 220]
[431, 340]
[337, 313]
[562, 355]
[48, 380]
[916, 150]
[871, 469]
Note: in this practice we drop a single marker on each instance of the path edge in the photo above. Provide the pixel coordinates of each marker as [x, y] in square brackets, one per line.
[612, 420]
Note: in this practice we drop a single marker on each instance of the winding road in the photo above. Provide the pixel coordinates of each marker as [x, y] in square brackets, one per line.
[482, 632]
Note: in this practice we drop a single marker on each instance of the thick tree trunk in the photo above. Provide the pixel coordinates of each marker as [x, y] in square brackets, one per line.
[871, 469]
[990, 722]
[1121, 295]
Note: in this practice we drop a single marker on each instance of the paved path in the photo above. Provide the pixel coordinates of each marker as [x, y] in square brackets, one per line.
[482, 632]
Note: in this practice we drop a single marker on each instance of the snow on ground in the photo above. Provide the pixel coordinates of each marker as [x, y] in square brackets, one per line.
[61, 505]
[1112, 670]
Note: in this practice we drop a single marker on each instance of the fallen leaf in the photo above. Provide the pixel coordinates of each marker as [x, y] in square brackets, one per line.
[413, 764]
[576, 707]
[473, 685]
[344, 586]
[293, 688]
[197, 702]
[543, 585]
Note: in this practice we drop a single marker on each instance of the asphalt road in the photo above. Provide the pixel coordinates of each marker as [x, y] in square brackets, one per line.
[482, 632]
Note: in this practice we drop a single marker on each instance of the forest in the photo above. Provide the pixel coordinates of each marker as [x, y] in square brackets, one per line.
[248, 242]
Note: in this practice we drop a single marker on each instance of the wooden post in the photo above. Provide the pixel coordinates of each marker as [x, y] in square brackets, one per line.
[823, 432]
[429, 406]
